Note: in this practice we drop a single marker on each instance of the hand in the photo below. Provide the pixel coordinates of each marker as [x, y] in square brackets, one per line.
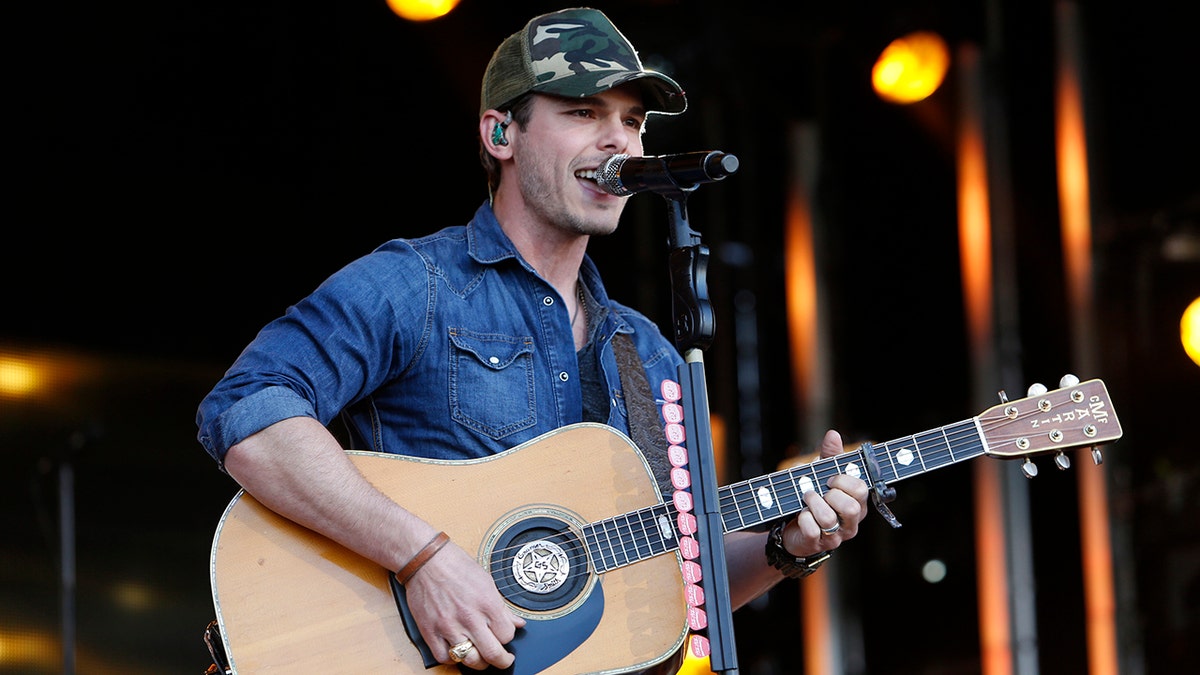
[838, 513]
[453, 599]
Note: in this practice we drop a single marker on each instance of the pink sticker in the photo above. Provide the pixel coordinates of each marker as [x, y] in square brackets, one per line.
[681, 479]
[675, 434]
[692, 572]
[700, 647]
[671, 391]
[687, 523]
[683, 501]
[689, 548]
[697, 619]
[672, 412]
[694, 594]
[678, 455]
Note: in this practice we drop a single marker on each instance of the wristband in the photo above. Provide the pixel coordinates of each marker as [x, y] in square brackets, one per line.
[793, 567]
[423, 556]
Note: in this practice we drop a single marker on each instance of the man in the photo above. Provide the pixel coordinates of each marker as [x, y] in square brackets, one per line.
[475, 339]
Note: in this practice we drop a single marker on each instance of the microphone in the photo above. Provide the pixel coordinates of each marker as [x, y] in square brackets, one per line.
[623, 175]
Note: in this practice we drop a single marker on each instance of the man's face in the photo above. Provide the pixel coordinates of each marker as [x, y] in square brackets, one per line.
[566, 138]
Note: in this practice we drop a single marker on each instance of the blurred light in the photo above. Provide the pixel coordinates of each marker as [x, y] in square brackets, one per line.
[28, 651]
[1189, 330]
[911, 68]
[18, 376]
[422, 10]
[933, 571]
[133, 596]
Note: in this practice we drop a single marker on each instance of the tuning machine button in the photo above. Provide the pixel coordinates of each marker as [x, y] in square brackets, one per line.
[1062, 461]
[1029, 468]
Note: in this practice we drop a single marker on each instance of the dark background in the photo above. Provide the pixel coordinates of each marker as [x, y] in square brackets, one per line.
[186, 170]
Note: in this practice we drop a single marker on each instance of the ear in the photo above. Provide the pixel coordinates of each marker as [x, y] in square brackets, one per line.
[492, 126]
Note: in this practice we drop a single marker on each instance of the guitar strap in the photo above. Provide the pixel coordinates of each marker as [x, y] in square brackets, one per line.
[645, 429]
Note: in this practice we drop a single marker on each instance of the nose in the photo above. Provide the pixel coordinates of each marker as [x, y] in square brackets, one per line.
[615, 136]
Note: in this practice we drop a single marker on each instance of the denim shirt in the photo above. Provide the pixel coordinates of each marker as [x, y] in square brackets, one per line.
[448, 346]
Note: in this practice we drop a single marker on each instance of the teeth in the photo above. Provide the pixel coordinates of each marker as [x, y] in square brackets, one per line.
[589, 174]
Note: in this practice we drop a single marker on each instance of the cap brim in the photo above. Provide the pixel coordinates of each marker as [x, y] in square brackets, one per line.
[662, 94]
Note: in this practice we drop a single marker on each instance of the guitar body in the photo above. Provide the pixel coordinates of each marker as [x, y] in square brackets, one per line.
[290, 600]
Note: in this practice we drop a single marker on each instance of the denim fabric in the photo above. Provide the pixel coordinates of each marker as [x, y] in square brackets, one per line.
[448, 346]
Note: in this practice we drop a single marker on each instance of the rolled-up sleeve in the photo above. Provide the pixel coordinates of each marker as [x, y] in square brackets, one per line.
[223, 426]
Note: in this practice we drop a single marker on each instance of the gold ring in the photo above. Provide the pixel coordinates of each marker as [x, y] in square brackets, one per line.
[459, 651]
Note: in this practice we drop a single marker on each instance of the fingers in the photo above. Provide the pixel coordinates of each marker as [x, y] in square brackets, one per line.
[831, 444]
[829, 520]
[461, 614]
[488, 652]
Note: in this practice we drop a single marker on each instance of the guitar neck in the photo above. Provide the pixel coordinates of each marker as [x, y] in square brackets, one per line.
[638, 535]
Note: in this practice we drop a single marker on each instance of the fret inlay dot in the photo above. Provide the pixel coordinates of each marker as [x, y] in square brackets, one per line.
[765, 498]
[904, 456]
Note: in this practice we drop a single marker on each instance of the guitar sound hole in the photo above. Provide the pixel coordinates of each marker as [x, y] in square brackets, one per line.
[539, 564]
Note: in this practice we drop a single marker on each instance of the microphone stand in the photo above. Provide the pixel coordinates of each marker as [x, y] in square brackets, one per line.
[694, 327]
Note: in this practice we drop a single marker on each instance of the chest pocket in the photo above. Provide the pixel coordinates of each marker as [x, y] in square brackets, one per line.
[491, 382]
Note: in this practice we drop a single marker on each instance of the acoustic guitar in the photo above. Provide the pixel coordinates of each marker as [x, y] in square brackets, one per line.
[576, 536]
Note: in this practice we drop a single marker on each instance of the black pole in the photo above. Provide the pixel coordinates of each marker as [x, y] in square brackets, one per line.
[694, 329]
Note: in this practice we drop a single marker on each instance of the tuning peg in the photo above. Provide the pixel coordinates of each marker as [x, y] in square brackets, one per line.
[1068, 380]
[1002, 395]
[1097, 456]
[1037, 389]
[1029, 468]
[1062, 461]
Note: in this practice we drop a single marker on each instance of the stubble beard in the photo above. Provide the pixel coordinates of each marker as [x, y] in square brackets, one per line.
[548, 203]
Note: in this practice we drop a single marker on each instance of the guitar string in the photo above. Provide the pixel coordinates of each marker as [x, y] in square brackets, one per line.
[626, 535]
[962, 438]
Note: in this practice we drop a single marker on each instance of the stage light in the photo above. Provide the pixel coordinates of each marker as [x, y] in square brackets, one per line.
[422, 10]
[911, 68]
[1189, 330]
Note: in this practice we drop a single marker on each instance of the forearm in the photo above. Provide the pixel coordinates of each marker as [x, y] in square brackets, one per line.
[746, 564]
[298, 469]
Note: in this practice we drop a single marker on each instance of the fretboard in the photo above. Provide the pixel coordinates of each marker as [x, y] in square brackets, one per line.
[638, 535]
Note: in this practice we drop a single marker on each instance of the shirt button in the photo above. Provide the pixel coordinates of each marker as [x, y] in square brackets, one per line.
[493, 360]
[548, 300]
[564, 376]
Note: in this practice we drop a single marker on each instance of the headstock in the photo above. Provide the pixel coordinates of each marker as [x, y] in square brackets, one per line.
[1078, 414]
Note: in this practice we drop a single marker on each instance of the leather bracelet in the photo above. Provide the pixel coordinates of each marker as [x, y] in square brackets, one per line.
[423, 556]
[792, 566]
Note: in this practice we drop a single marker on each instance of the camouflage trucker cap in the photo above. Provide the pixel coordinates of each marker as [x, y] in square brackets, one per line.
[573, 52]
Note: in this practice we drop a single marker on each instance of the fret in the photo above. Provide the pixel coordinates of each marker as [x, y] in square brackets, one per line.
[647, 533]
[731, 500]
[604, 541]
[790, 500]
[593, 548]
[616, 541]
[882, 452]
[629, 540]
[765, 502]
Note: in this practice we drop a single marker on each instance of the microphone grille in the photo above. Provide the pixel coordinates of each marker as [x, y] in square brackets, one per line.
[608, 176]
